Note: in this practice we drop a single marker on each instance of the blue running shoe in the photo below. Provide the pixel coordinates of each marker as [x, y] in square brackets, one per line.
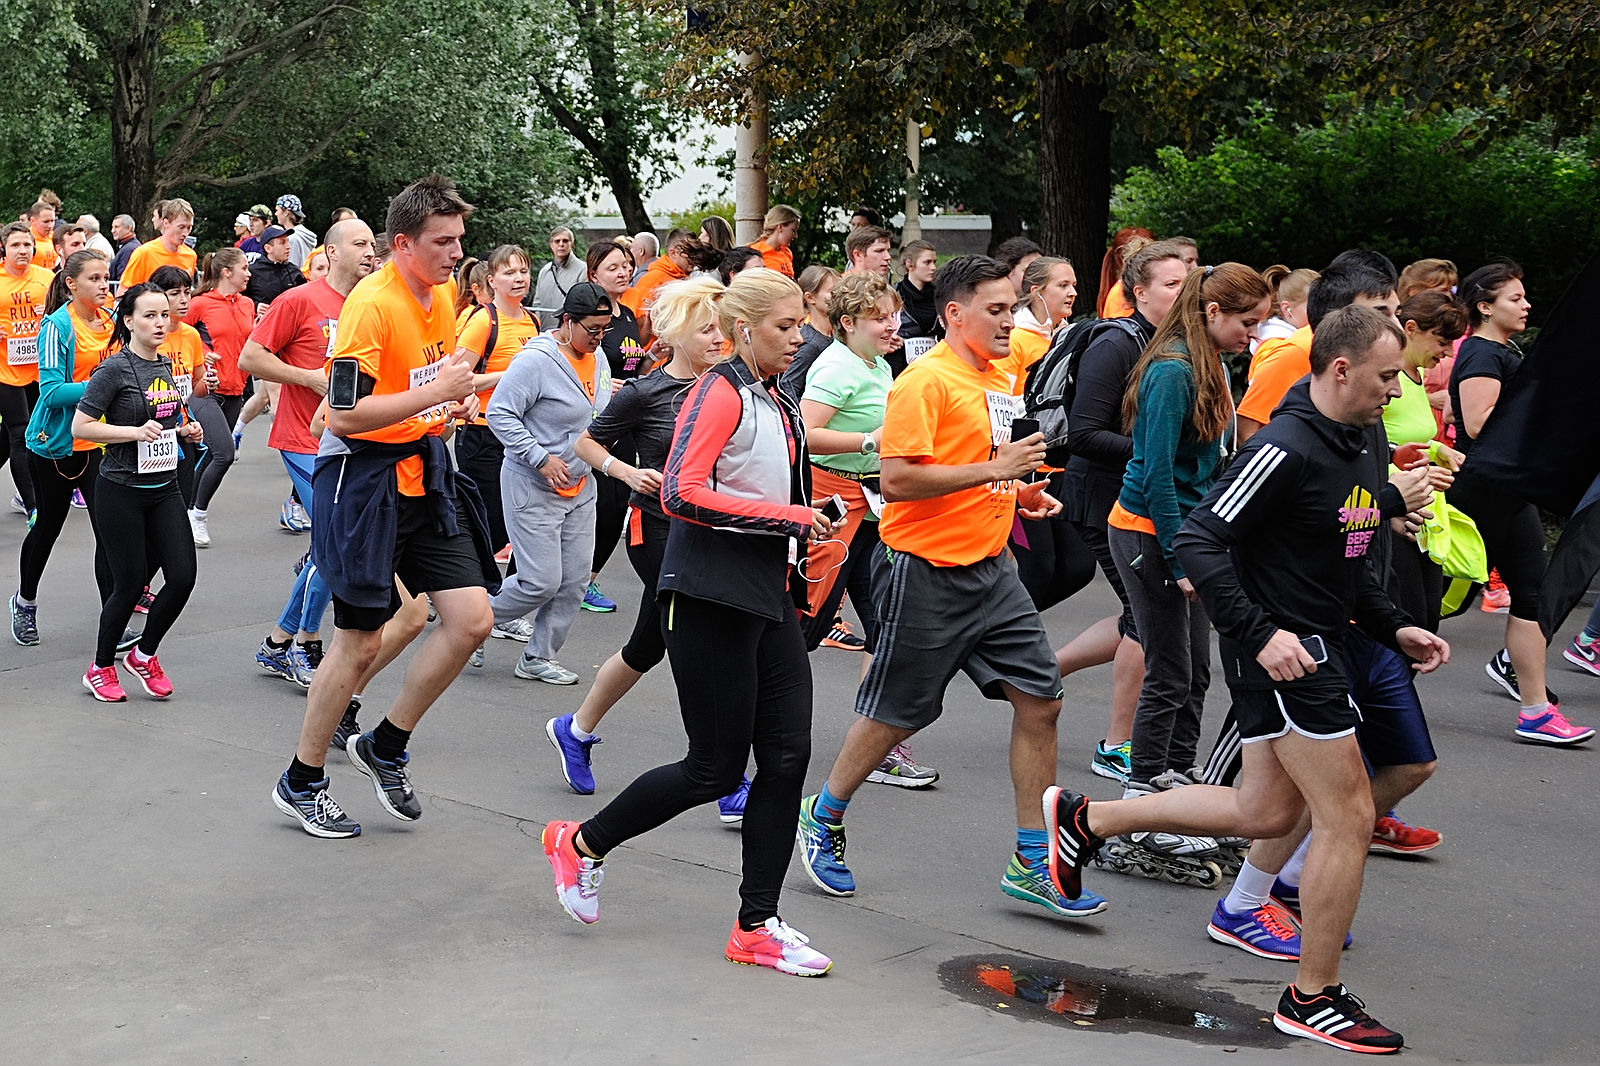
[1031, 884]
[1262, 932]
[822, 849]
[594, 600]
[731, 806]
[288, 663]
[390, 780]
[575, 755]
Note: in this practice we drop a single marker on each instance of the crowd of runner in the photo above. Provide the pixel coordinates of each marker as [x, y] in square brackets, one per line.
[1283, 456]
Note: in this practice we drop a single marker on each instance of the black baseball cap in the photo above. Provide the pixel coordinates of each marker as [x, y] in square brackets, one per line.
[586, 299]
[272, 233]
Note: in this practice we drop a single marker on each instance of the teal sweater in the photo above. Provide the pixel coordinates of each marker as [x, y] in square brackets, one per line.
[1171, 469]
[50, 427]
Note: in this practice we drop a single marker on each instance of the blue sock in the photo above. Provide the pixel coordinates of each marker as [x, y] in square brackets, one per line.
[1033, 846]
[830, 808]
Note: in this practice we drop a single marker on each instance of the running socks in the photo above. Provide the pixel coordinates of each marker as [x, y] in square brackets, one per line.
[302, 777]
[389, 741]
[1290, 874]
[831, 808]
[1033, 846]
[580, 735]
[277, 645]
[1250, 890]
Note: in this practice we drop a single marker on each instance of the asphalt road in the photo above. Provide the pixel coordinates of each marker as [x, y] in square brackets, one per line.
[159, 909]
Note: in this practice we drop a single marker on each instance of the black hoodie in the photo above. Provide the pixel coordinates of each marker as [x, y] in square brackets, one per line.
[1281, 541]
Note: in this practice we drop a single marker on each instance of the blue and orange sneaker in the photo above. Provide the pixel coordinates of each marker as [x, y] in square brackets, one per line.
[1262, 932]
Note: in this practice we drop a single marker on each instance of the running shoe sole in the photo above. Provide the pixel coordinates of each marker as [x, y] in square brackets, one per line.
[1391, 848]
[780, 966]
[1294, 1028]
[288, 808]
[1587, 666]
[879, 777]
[1530, 737]
[377, 783]
[1017, 892]
[1222, 936]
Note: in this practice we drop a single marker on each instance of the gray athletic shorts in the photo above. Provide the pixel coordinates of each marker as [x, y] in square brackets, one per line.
[935, 620]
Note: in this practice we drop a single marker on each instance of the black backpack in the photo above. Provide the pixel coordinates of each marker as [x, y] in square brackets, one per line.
[1053, 381]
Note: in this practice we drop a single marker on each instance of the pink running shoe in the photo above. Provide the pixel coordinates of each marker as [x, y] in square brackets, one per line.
[778, 946]
[1550, 727]
[102, 683]
[578, 877]
[149, 673]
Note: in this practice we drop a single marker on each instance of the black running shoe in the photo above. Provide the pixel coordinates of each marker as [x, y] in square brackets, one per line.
[128, 641]
[314, 809]
[348, 726]
[1502, 673]
[1337, 1017]
[313, 652]
[1066, 823]
[389, 779]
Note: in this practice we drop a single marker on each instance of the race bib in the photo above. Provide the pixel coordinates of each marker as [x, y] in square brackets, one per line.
[333, 336]
[917, 347]
[422, 376]
[159, 455]
[22, 351]
[184, 383]
[1003, 407]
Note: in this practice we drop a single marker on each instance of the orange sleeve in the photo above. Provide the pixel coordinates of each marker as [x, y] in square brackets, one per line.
[1273, 375]
[1117, 305]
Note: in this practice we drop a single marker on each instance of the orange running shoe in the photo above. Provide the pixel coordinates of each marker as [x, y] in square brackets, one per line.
[1392, 835]
[776, 945]
[578, 877]
[1496, 597]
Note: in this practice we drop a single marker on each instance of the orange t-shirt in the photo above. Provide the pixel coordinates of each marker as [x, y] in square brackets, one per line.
[779, 259]
[152, 256]
[23, 299]
[656, 275]
[90, 342]
[474, 334]
[1027, 348]
[943, 410]
[396, 342]
[584, 367]
[185, 351]
[44, 252]
[1277, 364]
[1117, 305]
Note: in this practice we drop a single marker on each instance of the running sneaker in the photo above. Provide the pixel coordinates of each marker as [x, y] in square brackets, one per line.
[575, 754]
[1496, 597]
[1337, 1017]
[312, 650]
[777, 945]
[348, 726]
[314, 809]
[1113, 763]
[822, 850]
[78, 501]
[1287, 897]
[197, 528]
[1031, 884]
[17, 505]
[286, 662]
[843, 636]
[297, 515]
[1393, 835]
[1584, 656]
[149, 672]
[300, 563]
[475, 660]
[102, 683]
[533, 668]
[898, 768]
[1502, 673]
[578, 877]
[146, 598]
[1550, 726]
[518, 629]
[1072, 845]
[289, 520]
[730, 808]
[390, 780]
[594, 600]
[129, 640]
[1262, 932]
[24, 622]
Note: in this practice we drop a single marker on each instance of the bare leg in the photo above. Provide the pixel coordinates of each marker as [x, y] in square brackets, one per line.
[866, 745]
[1391, 784]
[612, 682]
[1526, 645]
[1033, 752]
[1127, 677]
[465, 619]
[406, 626]
[1095, 646]
[347, 661]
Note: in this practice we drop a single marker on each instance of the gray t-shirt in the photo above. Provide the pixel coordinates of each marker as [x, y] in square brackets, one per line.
[129, 391]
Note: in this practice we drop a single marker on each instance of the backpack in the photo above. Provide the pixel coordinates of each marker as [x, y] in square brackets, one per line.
[494, 338]
[1053, 381]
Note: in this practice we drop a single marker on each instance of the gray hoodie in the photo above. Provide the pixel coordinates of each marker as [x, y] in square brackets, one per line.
[539, 408]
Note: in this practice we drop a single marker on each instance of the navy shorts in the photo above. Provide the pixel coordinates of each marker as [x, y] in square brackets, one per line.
[1393, 729]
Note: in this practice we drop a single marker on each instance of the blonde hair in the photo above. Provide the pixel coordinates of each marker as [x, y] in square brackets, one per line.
[780, 215]
[682, 308]
[1427, 274]
[176, 208]
[752, 294]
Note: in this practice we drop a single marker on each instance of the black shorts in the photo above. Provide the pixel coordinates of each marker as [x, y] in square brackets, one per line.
[1317, 712]
[424, 560]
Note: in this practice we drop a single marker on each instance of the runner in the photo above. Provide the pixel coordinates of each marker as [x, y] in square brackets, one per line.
[23, 288]
[184, 349]
[949, 471]
[868, 249]
[397, 333]
[1290, 290]
[133, 408]
[69, 237]
[1112, 264]
[735, 485]
[224, 316]
[175, 218]
[42, 224]
[274, 273]
[72, 341]
[1016, 253]
[778, 232]
[547, 397]
[291, 346]
[671, 265]
[918, 316]
[1277, 550]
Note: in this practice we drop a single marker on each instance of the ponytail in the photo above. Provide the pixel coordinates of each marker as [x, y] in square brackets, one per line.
[59, 295]
[215, 263]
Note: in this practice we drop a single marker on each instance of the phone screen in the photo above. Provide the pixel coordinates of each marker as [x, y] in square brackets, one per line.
[834, 509]
[342, 378]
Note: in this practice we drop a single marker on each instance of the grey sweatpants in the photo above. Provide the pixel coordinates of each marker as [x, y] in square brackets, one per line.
[553, 539]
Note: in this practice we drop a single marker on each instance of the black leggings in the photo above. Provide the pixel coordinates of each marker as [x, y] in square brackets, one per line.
[1416, 582]
[744, 683]
[16, 404]
[610, 507]
[53, 482]
[144, 519]
[647, 644]
[216, 415]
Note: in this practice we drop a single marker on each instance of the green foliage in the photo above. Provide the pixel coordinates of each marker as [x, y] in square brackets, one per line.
[690, 220]
[1441, 185]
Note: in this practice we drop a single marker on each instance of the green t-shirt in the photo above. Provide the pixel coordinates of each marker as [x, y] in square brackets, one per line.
[842, 379]
[1409, 419]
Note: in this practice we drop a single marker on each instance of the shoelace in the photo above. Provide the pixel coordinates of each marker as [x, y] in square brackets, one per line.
[589, 878]
[1267, 918]
[327, 810]
[787, 935]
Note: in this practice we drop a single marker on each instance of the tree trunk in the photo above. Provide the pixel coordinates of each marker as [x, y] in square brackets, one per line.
[133, 150]
[1075, 166]
[630, 200]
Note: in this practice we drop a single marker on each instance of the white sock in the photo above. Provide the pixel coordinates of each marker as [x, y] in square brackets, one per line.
[198, 513]
[25, 603]
[1250, 890]
[1290, 874]
[578, 734]
[1535, 710]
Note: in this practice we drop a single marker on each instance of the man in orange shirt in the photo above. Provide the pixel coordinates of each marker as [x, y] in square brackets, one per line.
[394, 386]
[22, 292]
[778, 231]
[176, 219]
[671, 265]
[42, 220]
[948, 594]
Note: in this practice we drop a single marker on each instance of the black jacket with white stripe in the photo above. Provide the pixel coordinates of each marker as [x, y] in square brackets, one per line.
[1282, 539]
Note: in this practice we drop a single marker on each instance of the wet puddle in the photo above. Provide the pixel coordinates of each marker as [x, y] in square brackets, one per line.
[1108, 1000]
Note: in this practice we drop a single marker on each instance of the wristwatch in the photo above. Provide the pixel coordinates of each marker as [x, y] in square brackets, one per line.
[868, 445]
